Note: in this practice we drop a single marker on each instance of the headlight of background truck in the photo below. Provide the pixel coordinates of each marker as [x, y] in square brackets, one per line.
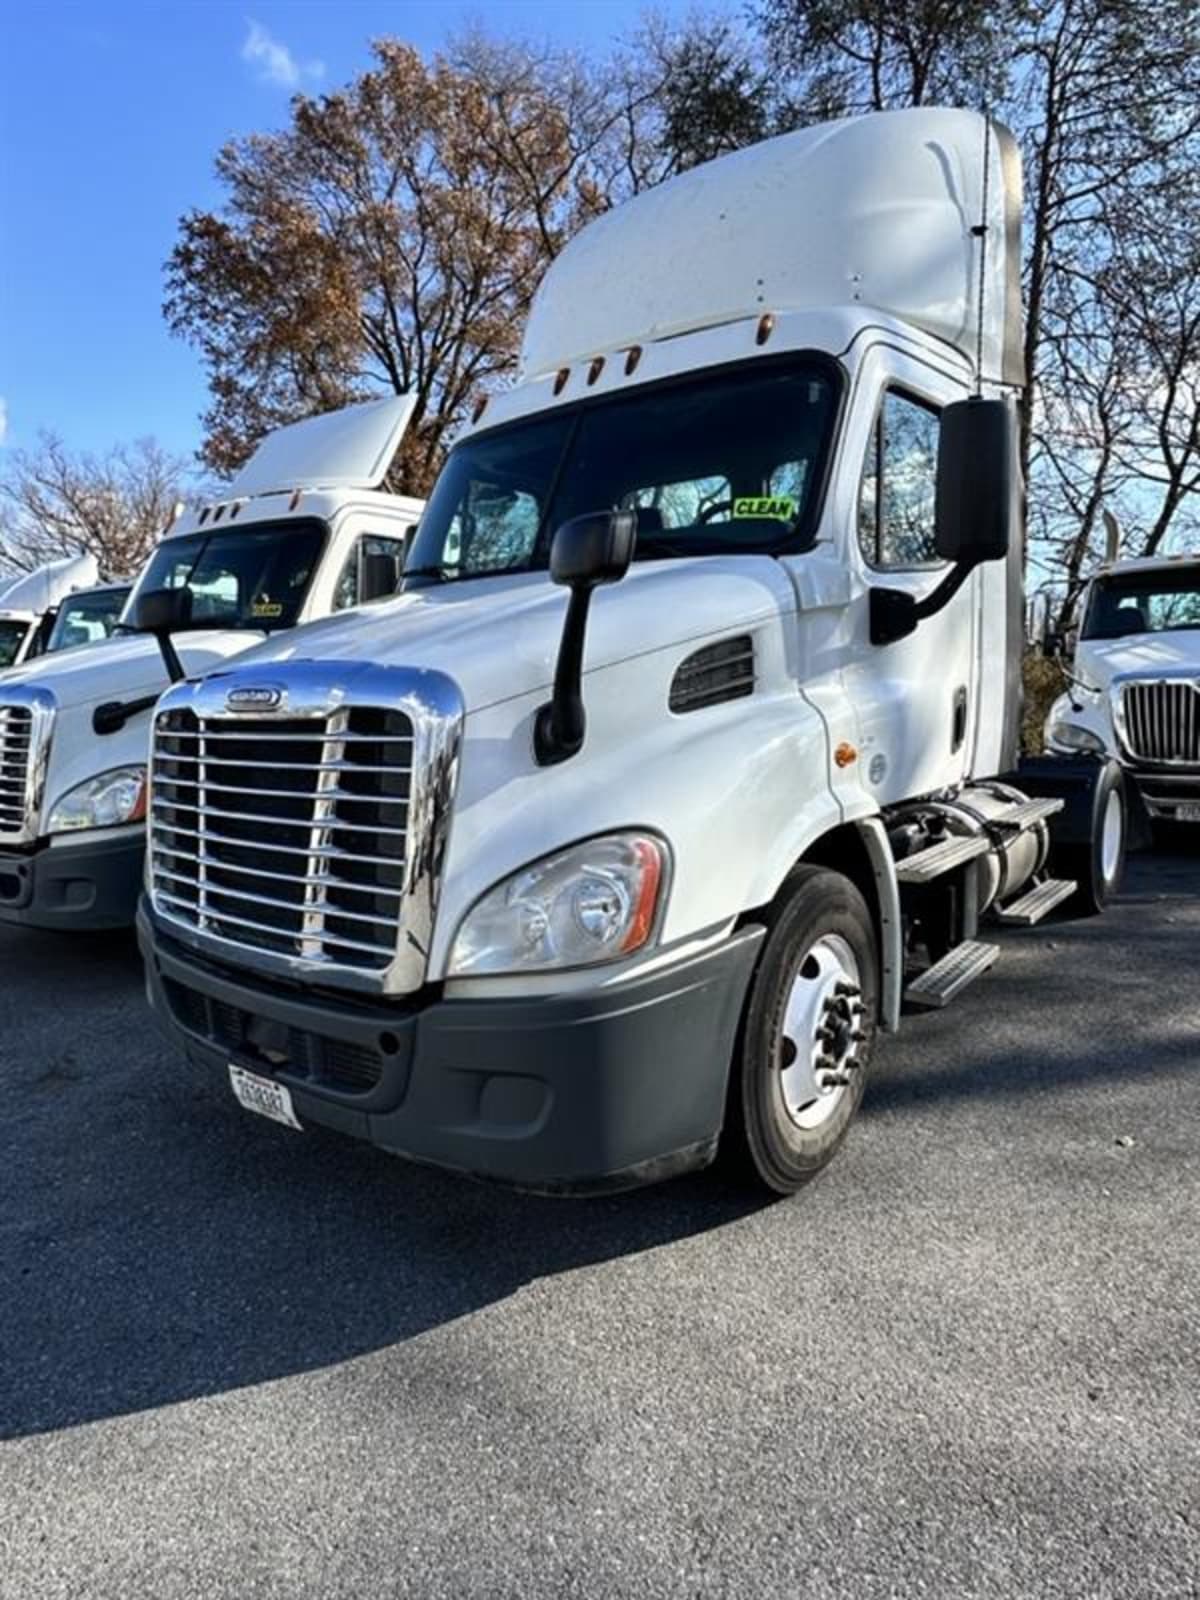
[596, 902]
[103, 802]
[1069, 737]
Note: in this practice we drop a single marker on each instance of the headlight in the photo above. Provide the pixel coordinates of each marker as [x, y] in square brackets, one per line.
[1071, 737]
[103, 802]
[595, 902]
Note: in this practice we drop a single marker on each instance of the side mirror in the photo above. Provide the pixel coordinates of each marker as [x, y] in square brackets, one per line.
[161, 612]
[593, 549]
[976, 480]
[378, 575]
[586, 552]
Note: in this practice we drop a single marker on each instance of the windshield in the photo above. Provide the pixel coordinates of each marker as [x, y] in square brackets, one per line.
[728, 462]
[1143, 602]
[12, 637]
[247, 577]
[86, 618]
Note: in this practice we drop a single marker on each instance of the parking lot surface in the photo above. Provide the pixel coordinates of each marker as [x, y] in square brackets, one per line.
[236, 1360]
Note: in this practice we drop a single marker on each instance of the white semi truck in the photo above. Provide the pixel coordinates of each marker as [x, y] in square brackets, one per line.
[1134, 681]
[30, 601]
[304, 530]
[564, 889]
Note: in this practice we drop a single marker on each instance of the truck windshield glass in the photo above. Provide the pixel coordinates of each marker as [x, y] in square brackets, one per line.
[1143, 602]
[86, 618]
[249, 577]
[727, 462]
[12, 637]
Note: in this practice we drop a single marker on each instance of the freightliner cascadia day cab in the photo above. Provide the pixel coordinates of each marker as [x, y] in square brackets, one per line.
[304, 530]
[1134, 690]
[562, 888]
[30, 601]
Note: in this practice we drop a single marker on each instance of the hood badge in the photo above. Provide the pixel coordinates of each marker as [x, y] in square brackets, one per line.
[254, 697]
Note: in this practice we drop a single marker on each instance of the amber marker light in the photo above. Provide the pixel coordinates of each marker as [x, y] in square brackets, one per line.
[650, 858]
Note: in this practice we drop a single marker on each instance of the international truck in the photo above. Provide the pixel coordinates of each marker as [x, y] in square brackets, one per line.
[304, 530]
[1132, 662]
[30, 602]
[687, 759]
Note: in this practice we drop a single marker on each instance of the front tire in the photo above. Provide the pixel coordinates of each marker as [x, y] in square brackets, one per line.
[1099, 865]
[807, 1032]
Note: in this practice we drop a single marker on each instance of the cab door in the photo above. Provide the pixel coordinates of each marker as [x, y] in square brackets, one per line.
[916, 698]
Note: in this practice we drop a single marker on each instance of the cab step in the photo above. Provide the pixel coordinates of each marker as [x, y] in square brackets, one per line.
[1036, 903]
[925, 865]
[938, 984]
[1024, 813]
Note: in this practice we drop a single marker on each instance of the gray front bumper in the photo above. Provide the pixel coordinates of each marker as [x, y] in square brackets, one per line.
[571, 1093]
[74, 888]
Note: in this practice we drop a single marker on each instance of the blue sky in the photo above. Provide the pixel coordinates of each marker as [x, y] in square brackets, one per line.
[110, 116]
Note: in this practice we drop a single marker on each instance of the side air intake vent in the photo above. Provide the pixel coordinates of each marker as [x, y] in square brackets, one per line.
[719, 672]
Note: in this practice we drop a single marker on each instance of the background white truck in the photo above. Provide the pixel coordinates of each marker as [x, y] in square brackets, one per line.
[564, 895]
[304, 530]
[1134, 680]
[31, 604]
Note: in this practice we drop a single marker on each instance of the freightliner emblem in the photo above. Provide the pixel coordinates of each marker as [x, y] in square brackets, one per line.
[254, 698]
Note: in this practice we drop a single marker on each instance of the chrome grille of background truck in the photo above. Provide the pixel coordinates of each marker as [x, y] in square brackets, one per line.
[286, 836]
[26, 720]
[16, 734]
[1162, 720]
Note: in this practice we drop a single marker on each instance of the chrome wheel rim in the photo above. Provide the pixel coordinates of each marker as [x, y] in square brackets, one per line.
[821, 1034]
[1111, 836]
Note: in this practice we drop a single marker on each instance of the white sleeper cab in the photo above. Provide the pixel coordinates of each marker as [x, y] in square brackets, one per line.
[688, 751]
[303, 531]
[1134, 681]
[30, 603]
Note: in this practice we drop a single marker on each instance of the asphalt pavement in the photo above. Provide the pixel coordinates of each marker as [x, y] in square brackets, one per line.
[240, 1361]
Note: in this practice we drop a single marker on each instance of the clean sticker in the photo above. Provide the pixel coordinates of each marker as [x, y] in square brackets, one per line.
[779, 506]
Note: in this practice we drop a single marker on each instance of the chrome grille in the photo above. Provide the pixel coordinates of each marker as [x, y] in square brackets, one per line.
[286, 835]
[1162, 720]
[16, 740]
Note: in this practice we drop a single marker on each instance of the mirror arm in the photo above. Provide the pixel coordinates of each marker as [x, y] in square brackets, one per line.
[112, 716]
[170, 657]
[895, 614]
[560, 725]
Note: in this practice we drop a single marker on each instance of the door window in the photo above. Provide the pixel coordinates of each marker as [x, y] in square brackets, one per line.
[349, 590]
[899, 485]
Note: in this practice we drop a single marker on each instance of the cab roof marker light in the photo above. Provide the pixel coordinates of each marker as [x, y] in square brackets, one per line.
[295, 500]
[480, 408]
[235, 508]
[766, 327]
[203, 517]
[595, 369]
[560, 379]
[219, 513]
[632, 358]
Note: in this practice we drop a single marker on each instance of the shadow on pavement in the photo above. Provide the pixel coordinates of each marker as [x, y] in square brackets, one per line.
[156, 1244]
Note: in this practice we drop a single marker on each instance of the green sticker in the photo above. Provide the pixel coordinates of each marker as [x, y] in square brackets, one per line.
[780, 506]
[266, 608]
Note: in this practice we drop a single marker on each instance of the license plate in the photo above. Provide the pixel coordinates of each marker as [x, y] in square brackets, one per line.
[269, 1099]
[1187, 813]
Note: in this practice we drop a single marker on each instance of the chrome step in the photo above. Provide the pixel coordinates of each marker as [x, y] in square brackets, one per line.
[924, 865]
[938, 984]
[1036, 903]
[1024, 813]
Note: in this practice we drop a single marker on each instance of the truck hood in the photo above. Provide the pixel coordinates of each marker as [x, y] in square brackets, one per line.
[124, 668]
[498, 637]
[1149, 654]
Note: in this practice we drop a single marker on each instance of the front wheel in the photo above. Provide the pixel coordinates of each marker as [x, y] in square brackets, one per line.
[1099, 865]
[807, 1032]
